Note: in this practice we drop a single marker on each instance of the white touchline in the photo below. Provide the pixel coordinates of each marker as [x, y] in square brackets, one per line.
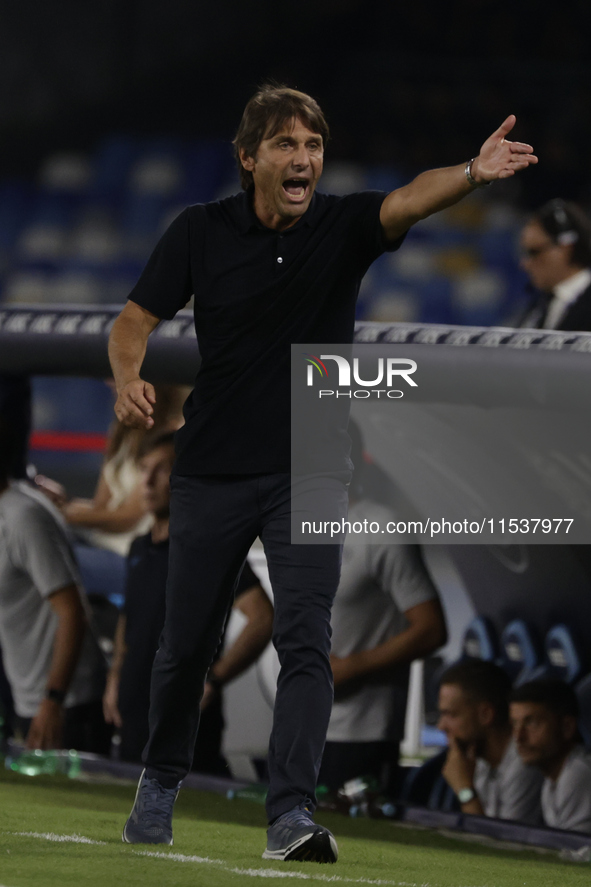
[276, 873]
[61, 839]
[250, 873]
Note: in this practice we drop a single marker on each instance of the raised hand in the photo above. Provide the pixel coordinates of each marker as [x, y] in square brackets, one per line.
[500, 158]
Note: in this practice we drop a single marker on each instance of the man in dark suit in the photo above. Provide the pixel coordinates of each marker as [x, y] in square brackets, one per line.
[556, 255]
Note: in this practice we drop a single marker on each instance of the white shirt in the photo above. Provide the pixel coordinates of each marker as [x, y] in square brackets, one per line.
[511, 790]
[566, 803]
[564, 294]
[379, 583]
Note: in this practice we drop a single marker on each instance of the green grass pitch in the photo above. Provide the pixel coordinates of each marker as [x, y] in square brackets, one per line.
[55, 831]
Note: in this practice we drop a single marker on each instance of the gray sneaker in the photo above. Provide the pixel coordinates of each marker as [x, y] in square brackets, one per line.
[295, 836]
[150, 820]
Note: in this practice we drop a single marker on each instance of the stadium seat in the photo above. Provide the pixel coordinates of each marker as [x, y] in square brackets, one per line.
[480, 641]
[583, 691]
[564, 660]
[519, 653]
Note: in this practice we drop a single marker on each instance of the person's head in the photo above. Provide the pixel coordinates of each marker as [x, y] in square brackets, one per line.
[156, 457]
[544, 716]
[473, 700]
[555, 244]
[279, 147]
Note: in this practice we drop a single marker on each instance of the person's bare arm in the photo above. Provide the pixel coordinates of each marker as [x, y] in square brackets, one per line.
[47, 725]
[437, 189]
[90, 513]
[458, 772]
[111, 694]
[127, 348]
[249, 644]
[426, 632]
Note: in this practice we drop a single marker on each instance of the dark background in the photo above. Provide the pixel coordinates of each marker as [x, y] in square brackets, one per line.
[415, 84]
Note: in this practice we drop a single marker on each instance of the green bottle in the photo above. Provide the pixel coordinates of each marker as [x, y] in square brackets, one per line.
[36, 762]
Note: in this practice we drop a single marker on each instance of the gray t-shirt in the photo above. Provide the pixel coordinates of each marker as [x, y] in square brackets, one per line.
[566, 803]
[378, 584]
[35, 561]
[511, 790]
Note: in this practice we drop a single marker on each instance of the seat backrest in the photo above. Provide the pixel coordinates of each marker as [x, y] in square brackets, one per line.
[480, 640]
[583, 691]
[563, 654]
[520, 652]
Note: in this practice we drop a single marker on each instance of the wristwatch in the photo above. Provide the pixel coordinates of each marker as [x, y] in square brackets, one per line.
[465, 795]
[55, 695]
[471, 180]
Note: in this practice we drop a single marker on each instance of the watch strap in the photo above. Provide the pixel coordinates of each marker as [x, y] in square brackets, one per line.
[471, 180]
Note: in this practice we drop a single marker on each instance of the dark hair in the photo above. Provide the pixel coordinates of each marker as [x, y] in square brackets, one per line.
[264, 115]
[482, 682]
[7, 449]
[567, 224]
[558, 697]
[152, 441]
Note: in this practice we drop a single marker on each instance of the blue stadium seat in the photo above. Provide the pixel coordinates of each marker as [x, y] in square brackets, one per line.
[520, 651]
[208, 164]
[583, 691]
[564, 660]
[480, 641]
[15, 205]
[113, 160]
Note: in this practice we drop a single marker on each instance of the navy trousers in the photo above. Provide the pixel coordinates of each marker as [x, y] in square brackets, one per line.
[213, 523]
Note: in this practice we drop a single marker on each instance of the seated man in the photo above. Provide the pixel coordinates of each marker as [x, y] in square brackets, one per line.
[53, 663]
[544, 716]
[127, 697]
[482, 765]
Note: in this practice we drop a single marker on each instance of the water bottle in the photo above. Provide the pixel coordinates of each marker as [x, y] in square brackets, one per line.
[255, 792]
[36, 762]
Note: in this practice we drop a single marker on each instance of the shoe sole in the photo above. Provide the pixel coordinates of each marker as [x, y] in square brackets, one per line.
[320, 846]
[126, 840]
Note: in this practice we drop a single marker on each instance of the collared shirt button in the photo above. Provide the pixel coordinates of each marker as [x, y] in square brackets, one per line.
[279, 259]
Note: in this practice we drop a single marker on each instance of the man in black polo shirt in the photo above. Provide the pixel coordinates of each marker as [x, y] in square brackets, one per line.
[275, 265]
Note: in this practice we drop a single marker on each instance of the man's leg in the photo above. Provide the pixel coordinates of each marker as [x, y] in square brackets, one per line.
[213, 522]
[304, 580]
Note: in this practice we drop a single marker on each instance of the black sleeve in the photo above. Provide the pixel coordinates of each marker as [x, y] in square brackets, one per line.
[165, 284]
[248, 578]
[369, 227]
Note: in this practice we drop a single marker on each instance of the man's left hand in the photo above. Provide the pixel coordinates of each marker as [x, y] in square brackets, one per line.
[499, 158]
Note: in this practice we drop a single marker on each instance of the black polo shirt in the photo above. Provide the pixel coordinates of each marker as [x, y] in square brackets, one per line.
[257, 291]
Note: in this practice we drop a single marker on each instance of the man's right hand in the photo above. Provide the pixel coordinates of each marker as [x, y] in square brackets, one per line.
[135, 402]
[47, 726]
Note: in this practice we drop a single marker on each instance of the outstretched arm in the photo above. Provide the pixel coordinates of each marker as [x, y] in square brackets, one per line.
[437, 189]
[127, 349]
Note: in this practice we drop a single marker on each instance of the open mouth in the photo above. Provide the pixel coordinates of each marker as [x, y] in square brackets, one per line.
[296, 188]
